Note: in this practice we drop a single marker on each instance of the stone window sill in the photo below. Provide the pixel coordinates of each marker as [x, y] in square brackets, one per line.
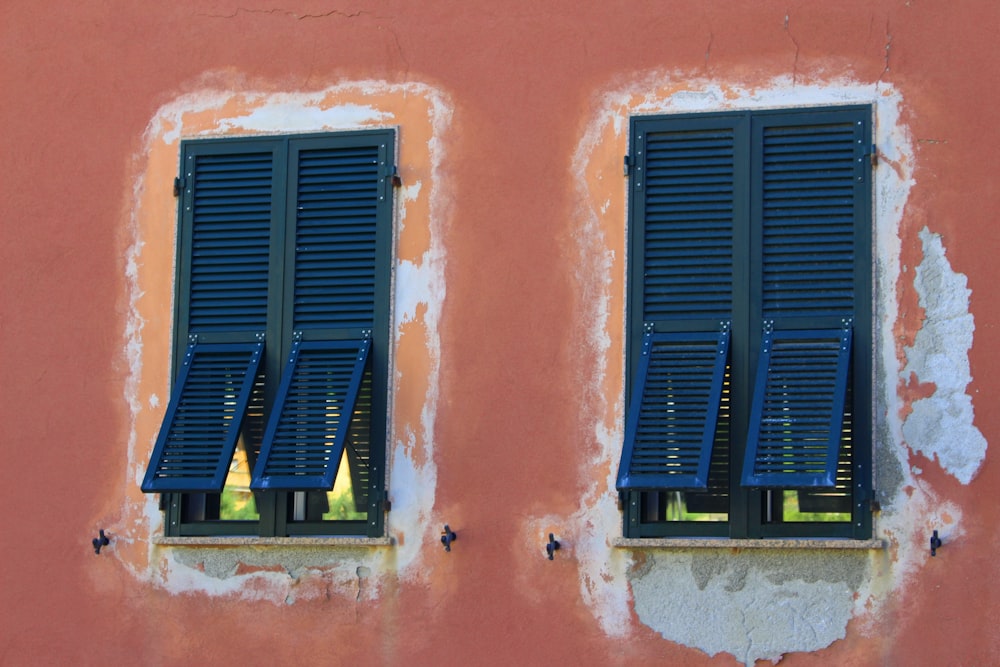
[245, 541]
[720, 543]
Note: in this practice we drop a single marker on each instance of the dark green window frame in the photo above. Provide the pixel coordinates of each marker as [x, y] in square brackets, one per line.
[752, 227]
[282, 330]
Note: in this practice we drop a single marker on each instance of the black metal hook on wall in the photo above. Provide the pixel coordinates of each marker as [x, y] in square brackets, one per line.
[447, 537]
[552, 547]
[935, 543]
[100, 541]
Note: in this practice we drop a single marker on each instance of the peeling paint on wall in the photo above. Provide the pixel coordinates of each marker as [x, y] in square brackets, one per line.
[750, 604]
[940, 426]
[288, 573]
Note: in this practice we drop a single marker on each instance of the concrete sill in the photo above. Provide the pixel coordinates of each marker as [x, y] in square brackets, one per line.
[720, 543]
[250, 541]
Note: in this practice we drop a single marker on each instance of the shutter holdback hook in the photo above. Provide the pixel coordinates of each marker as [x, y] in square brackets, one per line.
[447, 537]
[552, 547]
[100, 541]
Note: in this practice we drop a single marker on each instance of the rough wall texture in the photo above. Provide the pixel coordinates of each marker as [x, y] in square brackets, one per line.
[507, 400]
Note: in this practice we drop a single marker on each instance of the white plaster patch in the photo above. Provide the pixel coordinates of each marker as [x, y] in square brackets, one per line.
[412, 499]
[941, 426]
[290, 116]
[741, 613]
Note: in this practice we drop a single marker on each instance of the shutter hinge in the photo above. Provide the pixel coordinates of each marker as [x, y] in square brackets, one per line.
[396, 180]
[178, 186]
[386, 503]
[874, 155]
[627, 167]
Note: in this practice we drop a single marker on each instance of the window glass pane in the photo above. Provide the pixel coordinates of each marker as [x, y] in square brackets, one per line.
[237, 502]
[341, 499]
[335, 505]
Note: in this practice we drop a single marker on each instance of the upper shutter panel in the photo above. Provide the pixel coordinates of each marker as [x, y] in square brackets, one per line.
[797, 414]
[688, 184]
[230, 209]
[672, 420]
[337, 206]
[811, 181]
[308, 428]
[203, 419]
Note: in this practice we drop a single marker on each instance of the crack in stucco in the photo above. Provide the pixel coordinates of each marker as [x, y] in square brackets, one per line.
[285, 12]
[795, 43]
[888, 50]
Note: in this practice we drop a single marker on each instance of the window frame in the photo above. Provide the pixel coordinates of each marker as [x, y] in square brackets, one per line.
[275, 506]
[749, 508]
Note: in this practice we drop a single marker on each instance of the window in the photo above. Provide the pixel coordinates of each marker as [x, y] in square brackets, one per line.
[277, 417]
[749, 344]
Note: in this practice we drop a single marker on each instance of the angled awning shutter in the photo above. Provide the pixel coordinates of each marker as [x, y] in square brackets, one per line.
[797, 413]
[308, 428]
[671, 423]
[203, 419]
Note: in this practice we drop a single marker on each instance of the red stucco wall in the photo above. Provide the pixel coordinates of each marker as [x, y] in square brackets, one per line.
[81, 82]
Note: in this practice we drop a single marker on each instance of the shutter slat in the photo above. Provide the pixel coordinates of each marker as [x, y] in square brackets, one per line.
[203, 419]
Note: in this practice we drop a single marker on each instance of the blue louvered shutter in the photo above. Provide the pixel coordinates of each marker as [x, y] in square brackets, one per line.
[228, 208]
[307, 431]
[684, 194]
[204, 417]
[810, 181]
[336, 294]
[674, 412]
[797, 411]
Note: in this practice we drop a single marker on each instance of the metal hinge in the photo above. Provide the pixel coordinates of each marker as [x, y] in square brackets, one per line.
[874, 155]
[178, 186]
[627, 167]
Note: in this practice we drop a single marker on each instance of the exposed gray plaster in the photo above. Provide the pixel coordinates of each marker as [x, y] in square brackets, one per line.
[225, 563]
[753, 605]
[941, 426]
